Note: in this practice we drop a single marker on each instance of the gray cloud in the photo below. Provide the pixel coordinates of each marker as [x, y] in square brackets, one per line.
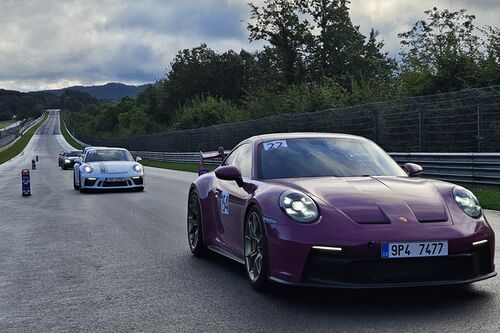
[52, 43]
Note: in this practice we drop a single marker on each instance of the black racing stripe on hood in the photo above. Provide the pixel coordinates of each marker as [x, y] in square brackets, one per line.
[103, 167]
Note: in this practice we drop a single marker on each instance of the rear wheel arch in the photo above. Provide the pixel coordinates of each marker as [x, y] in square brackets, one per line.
[194, 189]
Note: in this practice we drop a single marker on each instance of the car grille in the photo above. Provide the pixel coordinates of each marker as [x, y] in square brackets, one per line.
[115, 184]
[323, 267]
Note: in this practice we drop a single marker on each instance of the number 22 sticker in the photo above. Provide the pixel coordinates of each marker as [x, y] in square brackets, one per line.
[275, 144]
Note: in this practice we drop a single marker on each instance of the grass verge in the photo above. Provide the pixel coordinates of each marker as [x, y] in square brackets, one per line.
[488, 195]
[190, 167]
[68, 137]
[5, 123]
[20, 144]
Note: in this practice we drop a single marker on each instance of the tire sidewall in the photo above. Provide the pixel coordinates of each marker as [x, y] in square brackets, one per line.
[200, 245]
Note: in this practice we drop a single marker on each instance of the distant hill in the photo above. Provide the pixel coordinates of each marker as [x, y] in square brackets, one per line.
[114, 91]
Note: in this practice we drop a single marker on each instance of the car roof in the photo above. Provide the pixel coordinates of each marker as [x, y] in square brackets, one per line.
[107, 148]
[304, 135]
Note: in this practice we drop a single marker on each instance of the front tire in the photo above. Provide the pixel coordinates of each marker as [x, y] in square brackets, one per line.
[195, 226]
[76, 187]
[255, 248]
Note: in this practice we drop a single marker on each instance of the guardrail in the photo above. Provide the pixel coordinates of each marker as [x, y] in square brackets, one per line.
[10, 133]
[478, 168]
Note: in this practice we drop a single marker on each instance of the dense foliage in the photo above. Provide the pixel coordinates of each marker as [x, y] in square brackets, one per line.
[315, 58]
[14, 104]
[23, 105]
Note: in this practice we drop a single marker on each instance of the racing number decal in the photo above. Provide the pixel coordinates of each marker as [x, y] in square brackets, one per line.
[275, 144]
[224, 203]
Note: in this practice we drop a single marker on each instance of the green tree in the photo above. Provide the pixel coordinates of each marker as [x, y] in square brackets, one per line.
[281, 24]
[338, 47]
[440, 53]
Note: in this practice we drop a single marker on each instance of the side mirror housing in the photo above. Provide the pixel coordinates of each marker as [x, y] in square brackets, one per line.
[413, 170]
[229, 172]
[138, 159]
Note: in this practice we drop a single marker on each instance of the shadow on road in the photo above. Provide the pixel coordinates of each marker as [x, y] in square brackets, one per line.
[364, 301]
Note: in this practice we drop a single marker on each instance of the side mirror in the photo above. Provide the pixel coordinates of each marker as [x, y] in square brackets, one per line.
[229, 172]
[138, 159]
[413, 170]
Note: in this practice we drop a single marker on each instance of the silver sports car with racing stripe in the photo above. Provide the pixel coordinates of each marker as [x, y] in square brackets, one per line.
[106, 169]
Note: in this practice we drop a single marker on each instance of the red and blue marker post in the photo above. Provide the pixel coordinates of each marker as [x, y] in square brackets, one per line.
[25, 182]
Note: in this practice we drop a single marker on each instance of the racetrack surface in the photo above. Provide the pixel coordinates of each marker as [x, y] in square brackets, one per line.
[120, 262]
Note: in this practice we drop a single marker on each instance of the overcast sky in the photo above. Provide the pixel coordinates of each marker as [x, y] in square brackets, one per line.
[58, 43]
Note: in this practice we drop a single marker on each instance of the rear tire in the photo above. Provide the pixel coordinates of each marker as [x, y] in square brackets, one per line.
[255, 250]
[195, 226]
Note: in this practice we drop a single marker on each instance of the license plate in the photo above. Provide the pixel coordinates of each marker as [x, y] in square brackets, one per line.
[115, 180]
[414, 249]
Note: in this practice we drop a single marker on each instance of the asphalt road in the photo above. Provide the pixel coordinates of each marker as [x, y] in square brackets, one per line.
[120, 262]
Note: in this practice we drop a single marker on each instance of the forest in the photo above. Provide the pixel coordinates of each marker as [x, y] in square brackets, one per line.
[315, 58]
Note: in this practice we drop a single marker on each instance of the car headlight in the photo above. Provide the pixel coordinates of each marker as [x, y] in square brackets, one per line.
[88, 169]
[467, 201]
[67, 161]
[137, 167]
[298, 206]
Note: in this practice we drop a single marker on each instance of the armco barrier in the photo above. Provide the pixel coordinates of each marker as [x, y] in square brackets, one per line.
[478, 168]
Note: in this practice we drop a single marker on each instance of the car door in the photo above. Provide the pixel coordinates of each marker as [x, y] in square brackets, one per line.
[232, 199]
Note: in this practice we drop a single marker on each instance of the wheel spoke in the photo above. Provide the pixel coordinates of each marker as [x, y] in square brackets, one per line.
[258, 263]
[193, 229]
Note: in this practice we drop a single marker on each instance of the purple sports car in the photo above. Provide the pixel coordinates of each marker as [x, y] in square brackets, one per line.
[335, 210]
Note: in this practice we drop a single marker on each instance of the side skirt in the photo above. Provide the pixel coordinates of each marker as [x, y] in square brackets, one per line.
[226, 254]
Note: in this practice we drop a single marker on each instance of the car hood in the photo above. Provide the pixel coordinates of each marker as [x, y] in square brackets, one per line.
[112, 166]
[377, 200]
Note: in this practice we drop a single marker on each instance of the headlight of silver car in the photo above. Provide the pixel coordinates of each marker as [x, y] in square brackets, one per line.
[467, 201]
[67, 161]
[137, 167]
[88, 169]
[298, 206]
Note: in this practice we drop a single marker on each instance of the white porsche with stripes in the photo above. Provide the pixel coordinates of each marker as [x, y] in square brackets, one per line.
[107, 169]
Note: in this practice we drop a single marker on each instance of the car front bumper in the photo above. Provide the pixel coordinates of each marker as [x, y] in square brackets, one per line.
[112, 182]
[358, 263]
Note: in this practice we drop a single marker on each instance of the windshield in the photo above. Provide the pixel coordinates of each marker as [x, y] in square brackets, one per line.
[108, 155]
[323, 157]
[73, 153]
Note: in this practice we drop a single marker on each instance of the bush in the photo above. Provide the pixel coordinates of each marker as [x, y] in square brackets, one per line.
[305, 97]
[202, 112]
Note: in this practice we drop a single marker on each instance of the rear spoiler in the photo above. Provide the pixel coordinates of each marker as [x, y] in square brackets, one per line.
[211, 155]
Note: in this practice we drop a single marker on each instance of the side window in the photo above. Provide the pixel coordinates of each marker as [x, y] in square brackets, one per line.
[242, 159]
